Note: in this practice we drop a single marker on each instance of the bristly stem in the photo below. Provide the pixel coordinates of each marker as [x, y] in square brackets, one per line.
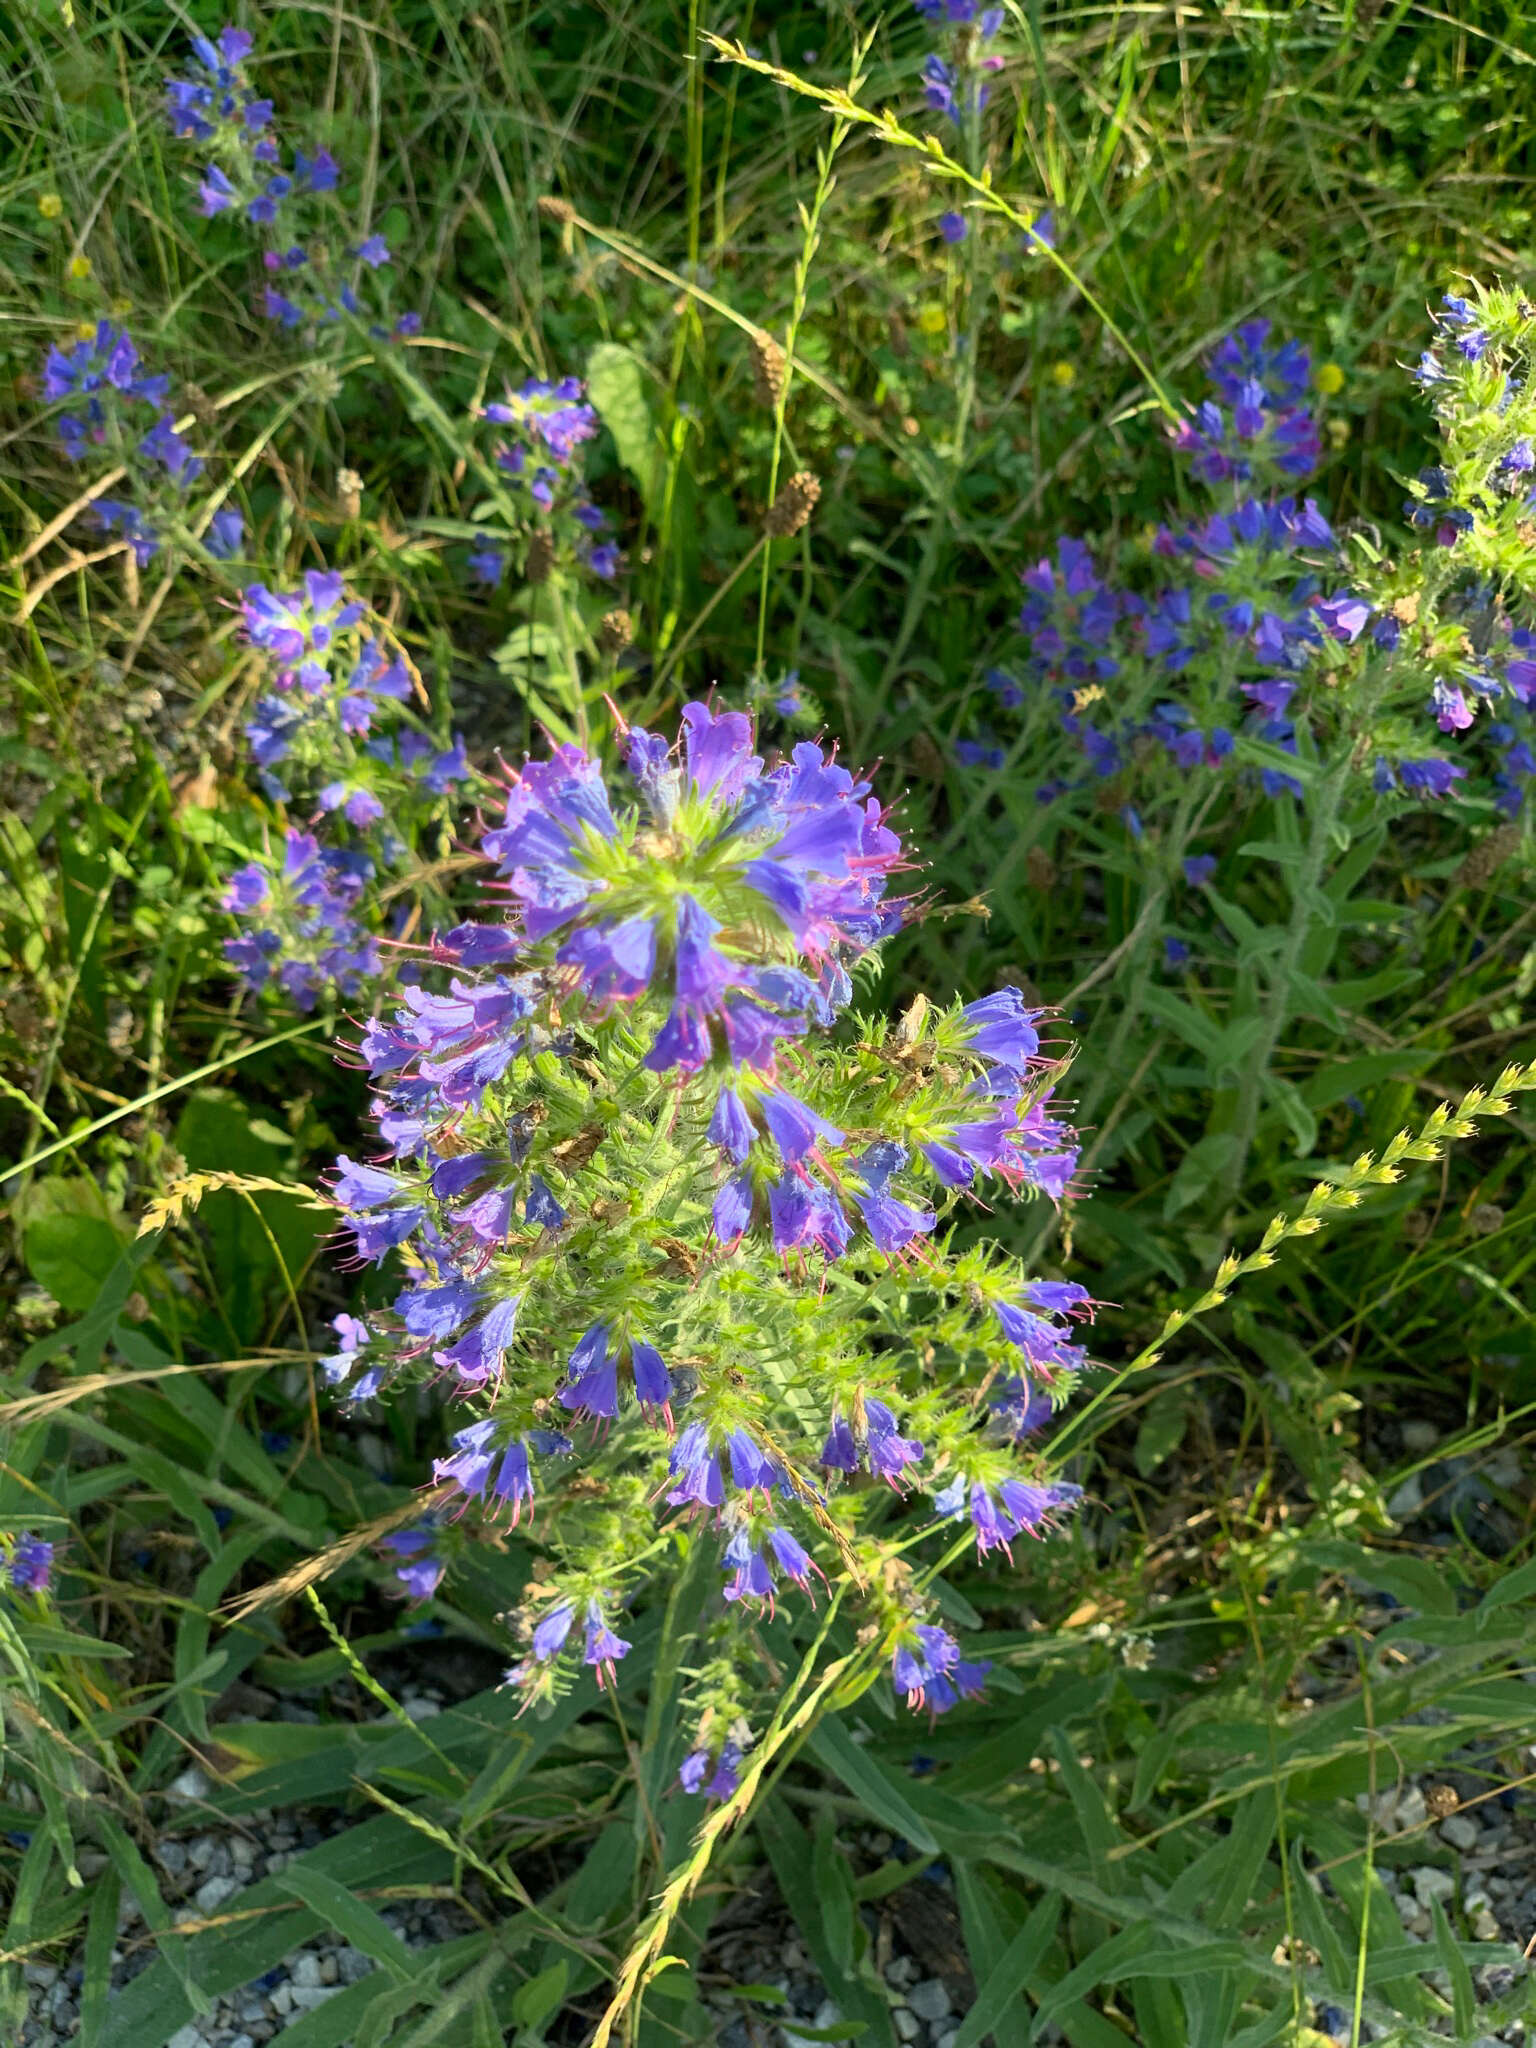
[1323, 811]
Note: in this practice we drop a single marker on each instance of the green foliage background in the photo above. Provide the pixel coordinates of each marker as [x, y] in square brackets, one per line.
[1153, 1873]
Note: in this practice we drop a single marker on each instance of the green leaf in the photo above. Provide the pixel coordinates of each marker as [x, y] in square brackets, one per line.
[789, 1851]
[539, 1999]
[71, 1240]
[1413, 1581]
[377, 1854]
[1199, 1170]
[1162, 1430]
[999, 1999]
[618, 386]
[870, 1782]
[1288, 1100]
[352, 1918]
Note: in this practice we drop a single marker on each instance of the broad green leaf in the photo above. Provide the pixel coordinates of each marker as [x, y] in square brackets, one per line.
[619, 387]
[868, 1780]
[376, 1855]
[1000, 1999]
[539, 1999]
[350, 1916]
[1163, 1423]
[1199, 1170]
[789, 1851]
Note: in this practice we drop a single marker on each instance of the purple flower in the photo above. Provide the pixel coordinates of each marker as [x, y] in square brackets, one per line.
[923, 1656]
[419, 1573]
[317, 173]
[695, 1470]
[1448, 704]
[541, 1208]
[794, 1128]
[653, 1383]
[1199, 868]
[1002, 1029]
[727, 1772]
[730, 1127]
[891, 1223]
[488, 564]
[549, 1634]
[215, 194]
[1345, 617]
[594, 1376]
[373, 251]
[732, 1214]
[29, 1568]
[953, 227]
[803, 1216]
[226, 534]
[603, 1648]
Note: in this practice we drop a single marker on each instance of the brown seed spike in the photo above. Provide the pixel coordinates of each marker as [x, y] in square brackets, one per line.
[768, 371]
[615, 633]
[792, 508]
[1487, 857]
[556, 209]
[541, 557]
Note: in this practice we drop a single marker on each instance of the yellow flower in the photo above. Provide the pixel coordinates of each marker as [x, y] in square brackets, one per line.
[1338, 431]
[85, 330]
[1063, 373]
[79, 268]
[1329, 378]
[932, 318]
[49, 205]
[121, 308]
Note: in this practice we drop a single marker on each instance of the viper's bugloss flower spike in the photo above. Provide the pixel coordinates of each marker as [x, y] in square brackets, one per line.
[626, 1123]
[26, 1564]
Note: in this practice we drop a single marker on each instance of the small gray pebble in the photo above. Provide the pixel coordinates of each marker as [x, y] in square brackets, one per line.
[929, 2000]
[305, 1970]
[906, 2023]
[172, 1858]
[213, 1892]
[307, 1996]
[1461, 1831]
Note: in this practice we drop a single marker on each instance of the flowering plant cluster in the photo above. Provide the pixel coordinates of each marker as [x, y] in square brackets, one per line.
[332, 736]
[26, 1563]
[678, 1225]
[309, 279]
[954, 77]
[1270, 647]
[116, 420]
[547, 521]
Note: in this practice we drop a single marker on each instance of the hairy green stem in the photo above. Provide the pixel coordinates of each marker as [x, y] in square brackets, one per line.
[1244, 1122]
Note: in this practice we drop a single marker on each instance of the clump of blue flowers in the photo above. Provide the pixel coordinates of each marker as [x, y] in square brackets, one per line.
[331, 737]
[546, 523]
[116, 420]
[26, 1563]
[1263, 645]
[954, 77]
[312, 274]
[676, 1221]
